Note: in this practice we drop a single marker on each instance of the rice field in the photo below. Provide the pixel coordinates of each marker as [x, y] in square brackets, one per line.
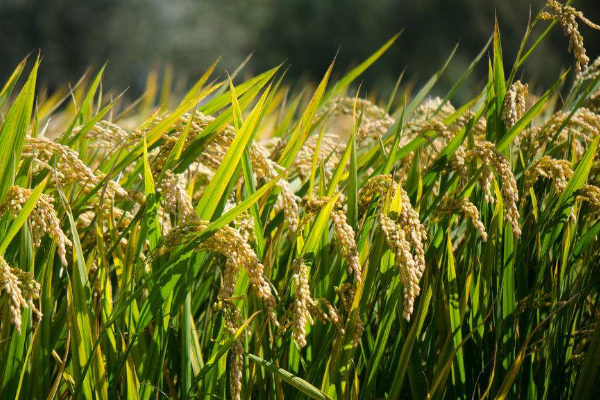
[248, 239]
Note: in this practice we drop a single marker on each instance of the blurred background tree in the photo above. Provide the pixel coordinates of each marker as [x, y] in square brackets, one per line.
[138, 35]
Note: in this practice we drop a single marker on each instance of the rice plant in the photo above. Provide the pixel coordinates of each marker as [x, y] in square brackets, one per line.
[250, 240]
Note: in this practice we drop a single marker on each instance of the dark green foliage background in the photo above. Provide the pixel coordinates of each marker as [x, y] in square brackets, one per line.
[136, 35]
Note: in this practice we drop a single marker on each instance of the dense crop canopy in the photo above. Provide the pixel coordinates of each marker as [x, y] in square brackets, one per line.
[250, 242]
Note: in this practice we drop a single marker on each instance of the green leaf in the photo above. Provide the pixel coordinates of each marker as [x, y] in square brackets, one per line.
[11, 82]
[587, 238]
[589, 372]
[94, 120]
[305, 125]
[528, 117]
[151, 228]
[22, 216]
[362, 67]
[223, 348]
[81, 317]
[321, 222]
[155, 133]
[85, 108]
[13, 131]
[464, 76]
[299, 383]
[216, 188]
[454, 310]
[580, 175]
[428, 86]
[352, 188]
[499, 83]
[511, 375]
